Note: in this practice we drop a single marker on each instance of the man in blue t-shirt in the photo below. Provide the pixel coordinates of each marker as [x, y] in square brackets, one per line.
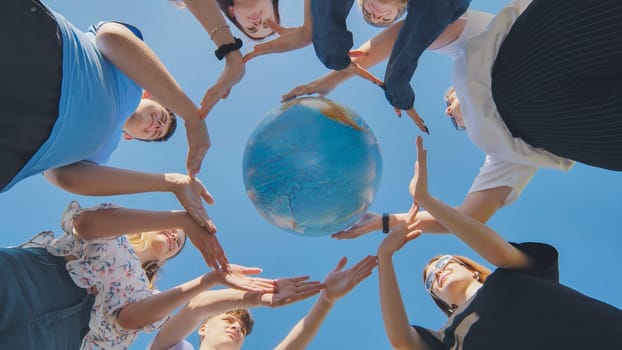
[88, 89]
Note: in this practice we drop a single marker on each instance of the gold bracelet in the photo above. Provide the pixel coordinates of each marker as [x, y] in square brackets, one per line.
[217, 28]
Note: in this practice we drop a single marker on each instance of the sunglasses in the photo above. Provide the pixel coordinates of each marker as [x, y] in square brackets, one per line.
[453, 120]
[438, 266]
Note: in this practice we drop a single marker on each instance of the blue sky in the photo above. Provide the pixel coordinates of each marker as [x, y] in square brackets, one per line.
[578, 212]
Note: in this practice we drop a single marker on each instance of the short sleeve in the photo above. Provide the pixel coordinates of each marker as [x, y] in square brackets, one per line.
[543, 260]
[431, 339]
[497, 173]
[95, 27]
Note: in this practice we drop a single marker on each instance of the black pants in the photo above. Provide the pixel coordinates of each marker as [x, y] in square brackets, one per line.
[30, 82]
[557, 79]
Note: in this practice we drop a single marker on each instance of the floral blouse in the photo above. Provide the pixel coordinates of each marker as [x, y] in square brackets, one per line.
[108, 265]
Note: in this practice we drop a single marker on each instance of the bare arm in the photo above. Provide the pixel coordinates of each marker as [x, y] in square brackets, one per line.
[337, 284]
[208, 14]
[132, 56]
[480, 205]
[484, 240]
[205, 304]
[149, 310]
[401, 335]
[95, 180]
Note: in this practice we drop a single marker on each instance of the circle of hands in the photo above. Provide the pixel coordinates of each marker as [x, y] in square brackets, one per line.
[284, 291]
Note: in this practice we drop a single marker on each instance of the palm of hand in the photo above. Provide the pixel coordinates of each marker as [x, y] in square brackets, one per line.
[338, 284]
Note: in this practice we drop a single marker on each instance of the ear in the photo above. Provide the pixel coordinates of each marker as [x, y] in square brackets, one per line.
[127, 136]
[230, 11]
[201, 330]
[146, 94]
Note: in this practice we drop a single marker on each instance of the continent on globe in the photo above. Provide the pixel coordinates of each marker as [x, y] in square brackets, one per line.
[312, 167]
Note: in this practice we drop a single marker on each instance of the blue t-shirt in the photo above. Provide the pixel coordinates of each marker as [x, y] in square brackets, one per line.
[96, 99]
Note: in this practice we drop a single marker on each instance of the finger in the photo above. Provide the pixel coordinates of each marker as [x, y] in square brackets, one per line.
[249, 56]
[417, 119]
[309, 285]
[275, 26]
[250, 270]
[296, 279]
[363, 73]
[412, 235]
[398, 112]
[207, 197]
[357, 53]
[344, 235]
[342, 262]
[226, 94]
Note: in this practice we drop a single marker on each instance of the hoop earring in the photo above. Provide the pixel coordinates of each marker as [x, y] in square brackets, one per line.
[476, 275]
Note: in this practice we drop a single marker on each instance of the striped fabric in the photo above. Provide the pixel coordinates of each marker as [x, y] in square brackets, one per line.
[557, 79]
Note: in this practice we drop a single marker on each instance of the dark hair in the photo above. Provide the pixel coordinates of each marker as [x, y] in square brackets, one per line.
[470, 265]
[224, 7]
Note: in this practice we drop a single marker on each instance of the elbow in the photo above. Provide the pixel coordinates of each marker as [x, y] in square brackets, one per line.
[84, 226]
[62, 177]
[128, 321]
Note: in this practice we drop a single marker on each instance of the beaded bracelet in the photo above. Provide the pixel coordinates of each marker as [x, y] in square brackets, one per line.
[223, 50]
[217, 28]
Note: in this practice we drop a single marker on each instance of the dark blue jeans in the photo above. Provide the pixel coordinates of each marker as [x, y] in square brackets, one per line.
[41, 306]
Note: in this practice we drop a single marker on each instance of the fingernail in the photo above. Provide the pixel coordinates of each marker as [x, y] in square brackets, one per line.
[427, 131]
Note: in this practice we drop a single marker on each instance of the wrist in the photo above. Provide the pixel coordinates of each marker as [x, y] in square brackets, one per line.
[324, 299]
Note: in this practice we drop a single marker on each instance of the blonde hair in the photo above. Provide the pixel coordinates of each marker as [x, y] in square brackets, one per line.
[400, 3]
[151, 267]
[470, 265]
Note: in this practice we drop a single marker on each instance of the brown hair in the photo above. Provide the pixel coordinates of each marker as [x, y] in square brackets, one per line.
[243, 315]
[224, 7]
[470, 265]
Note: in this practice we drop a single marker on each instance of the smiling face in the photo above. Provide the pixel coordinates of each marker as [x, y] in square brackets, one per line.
[382, 12]
[252, 15]
[447, 278]
[150, 121]
[223, 332]
[162, 245]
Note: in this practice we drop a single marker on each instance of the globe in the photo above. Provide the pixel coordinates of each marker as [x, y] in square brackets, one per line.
[312, 167]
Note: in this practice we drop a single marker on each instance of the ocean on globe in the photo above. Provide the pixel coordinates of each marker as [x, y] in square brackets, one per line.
[312, 167]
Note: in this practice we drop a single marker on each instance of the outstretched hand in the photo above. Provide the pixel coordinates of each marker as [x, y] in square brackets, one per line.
[324, 85]
[190, 192]
[233, 72]
[290, 290]
[289, 39]
[198, 144]
[237, 277]
[339, 282]
[418, 187]
[414, 116]
[401, 234]
[367, 223]
[209, 246]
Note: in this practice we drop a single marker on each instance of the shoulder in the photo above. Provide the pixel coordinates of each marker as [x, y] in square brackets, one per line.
[98, 26]
[543, 260]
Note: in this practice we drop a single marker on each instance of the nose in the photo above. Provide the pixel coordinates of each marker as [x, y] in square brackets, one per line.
[448, 111]
[236, 326]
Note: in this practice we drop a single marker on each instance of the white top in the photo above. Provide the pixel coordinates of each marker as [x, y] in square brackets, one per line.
[112, 268]
[510, 161]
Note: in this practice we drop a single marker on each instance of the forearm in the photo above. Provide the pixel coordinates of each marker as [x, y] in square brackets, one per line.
[201, 306]
[140, 314]
[119, 221]
[305, 330]
[94, 180]
[134, 58]
[396, 325]
[481, 238]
